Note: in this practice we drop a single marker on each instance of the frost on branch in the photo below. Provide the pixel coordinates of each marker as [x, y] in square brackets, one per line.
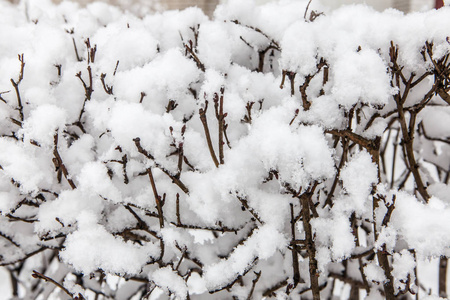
[263, 153]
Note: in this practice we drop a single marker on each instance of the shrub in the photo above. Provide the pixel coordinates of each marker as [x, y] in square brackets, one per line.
[274, 151]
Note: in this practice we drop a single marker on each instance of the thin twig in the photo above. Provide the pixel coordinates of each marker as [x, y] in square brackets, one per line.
[38, 275]
[57, 160]
[203, 119]
[157, 198]
[175, 180]
[16, 87]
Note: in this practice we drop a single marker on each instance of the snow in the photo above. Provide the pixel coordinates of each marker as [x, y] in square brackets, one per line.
[335, 234]
[414, 220]
[403, 266]
[214, 46]
[21, 164]
[43, 123]
[361, 76]
[435, 128]
[113, 255]
[374, 273]
[169, 280]
[263, 243]
[90, 197]
[358, 188]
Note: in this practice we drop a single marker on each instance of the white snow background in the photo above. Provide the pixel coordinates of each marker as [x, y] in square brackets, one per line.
[146, 63]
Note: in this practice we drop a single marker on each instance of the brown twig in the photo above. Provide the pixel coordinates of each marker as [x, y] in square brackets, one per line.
[108, 89]
[218, 104]
[189, 48]
[59, 165]
[9, 239]
[238, 277]
[407, 133]
[245, 205]
[304, 86]
[310, 244]
[271, 291]
[1, 98]
[273, 42]
[221, 228]
[175, 180]
[296, 270]
[38, 275]
[158, 199]
[306, 10]
[16, 87]
[254, 281]
[203, 119]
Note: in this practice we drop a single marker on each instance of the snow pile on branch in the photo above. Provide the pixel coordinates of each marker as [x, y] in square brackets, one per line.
[264, 153]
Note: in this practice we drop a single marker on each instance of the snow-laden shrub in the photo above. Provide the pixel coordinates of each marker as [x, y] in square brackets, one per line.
[273, 151]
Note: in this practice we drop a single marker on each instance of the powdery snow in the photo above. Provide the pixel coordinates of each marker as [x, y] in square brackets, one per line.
[189, 148]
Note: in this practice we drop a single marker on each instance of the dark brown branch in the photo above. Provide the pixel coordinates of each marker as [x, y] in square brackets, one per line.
[218, 228]
[3, 264]
[158, 200]
[108, 89]
[408, 140]
[178, 209]
[443, 265]
[270, 292]
[38, 275]
[1, 98]
[218, 104]
[261, 53]
[254, 281]
[291, 77]
[248, 117]
[171, 105]
[88, 89]
[360, 261]
[304, 86]
[348, 280]
[230, 285]
[273, 42]
[245, 205]
[310, 244]
[306, 9]
[175, 180]
[444, 95]
[204, 120]
[141, 223]
[9, 239]
[366, 143]
[295, 116]
[14, 218]
[142, 97]
[383, 260]
[423, 131]
[368, 252]
[90, 51]
[71, 32]
[296, 270]
[57, 160]
[189, 48]
[329, 200]
[16, 87]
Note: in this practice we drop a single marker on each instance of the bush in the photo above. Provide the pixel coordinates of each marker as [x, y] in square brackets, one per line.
[274, 151]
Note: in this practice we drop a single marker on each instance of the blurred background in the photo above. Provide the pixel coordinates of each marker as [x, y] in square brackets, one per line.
[145, 6]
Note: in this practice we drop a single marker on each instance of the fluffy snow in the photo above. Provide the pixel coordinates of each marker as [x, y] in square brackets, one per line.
[21, 164]
[357, 188]
[84, 252]
[415, 220]
[93, 198]
[169, 280]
